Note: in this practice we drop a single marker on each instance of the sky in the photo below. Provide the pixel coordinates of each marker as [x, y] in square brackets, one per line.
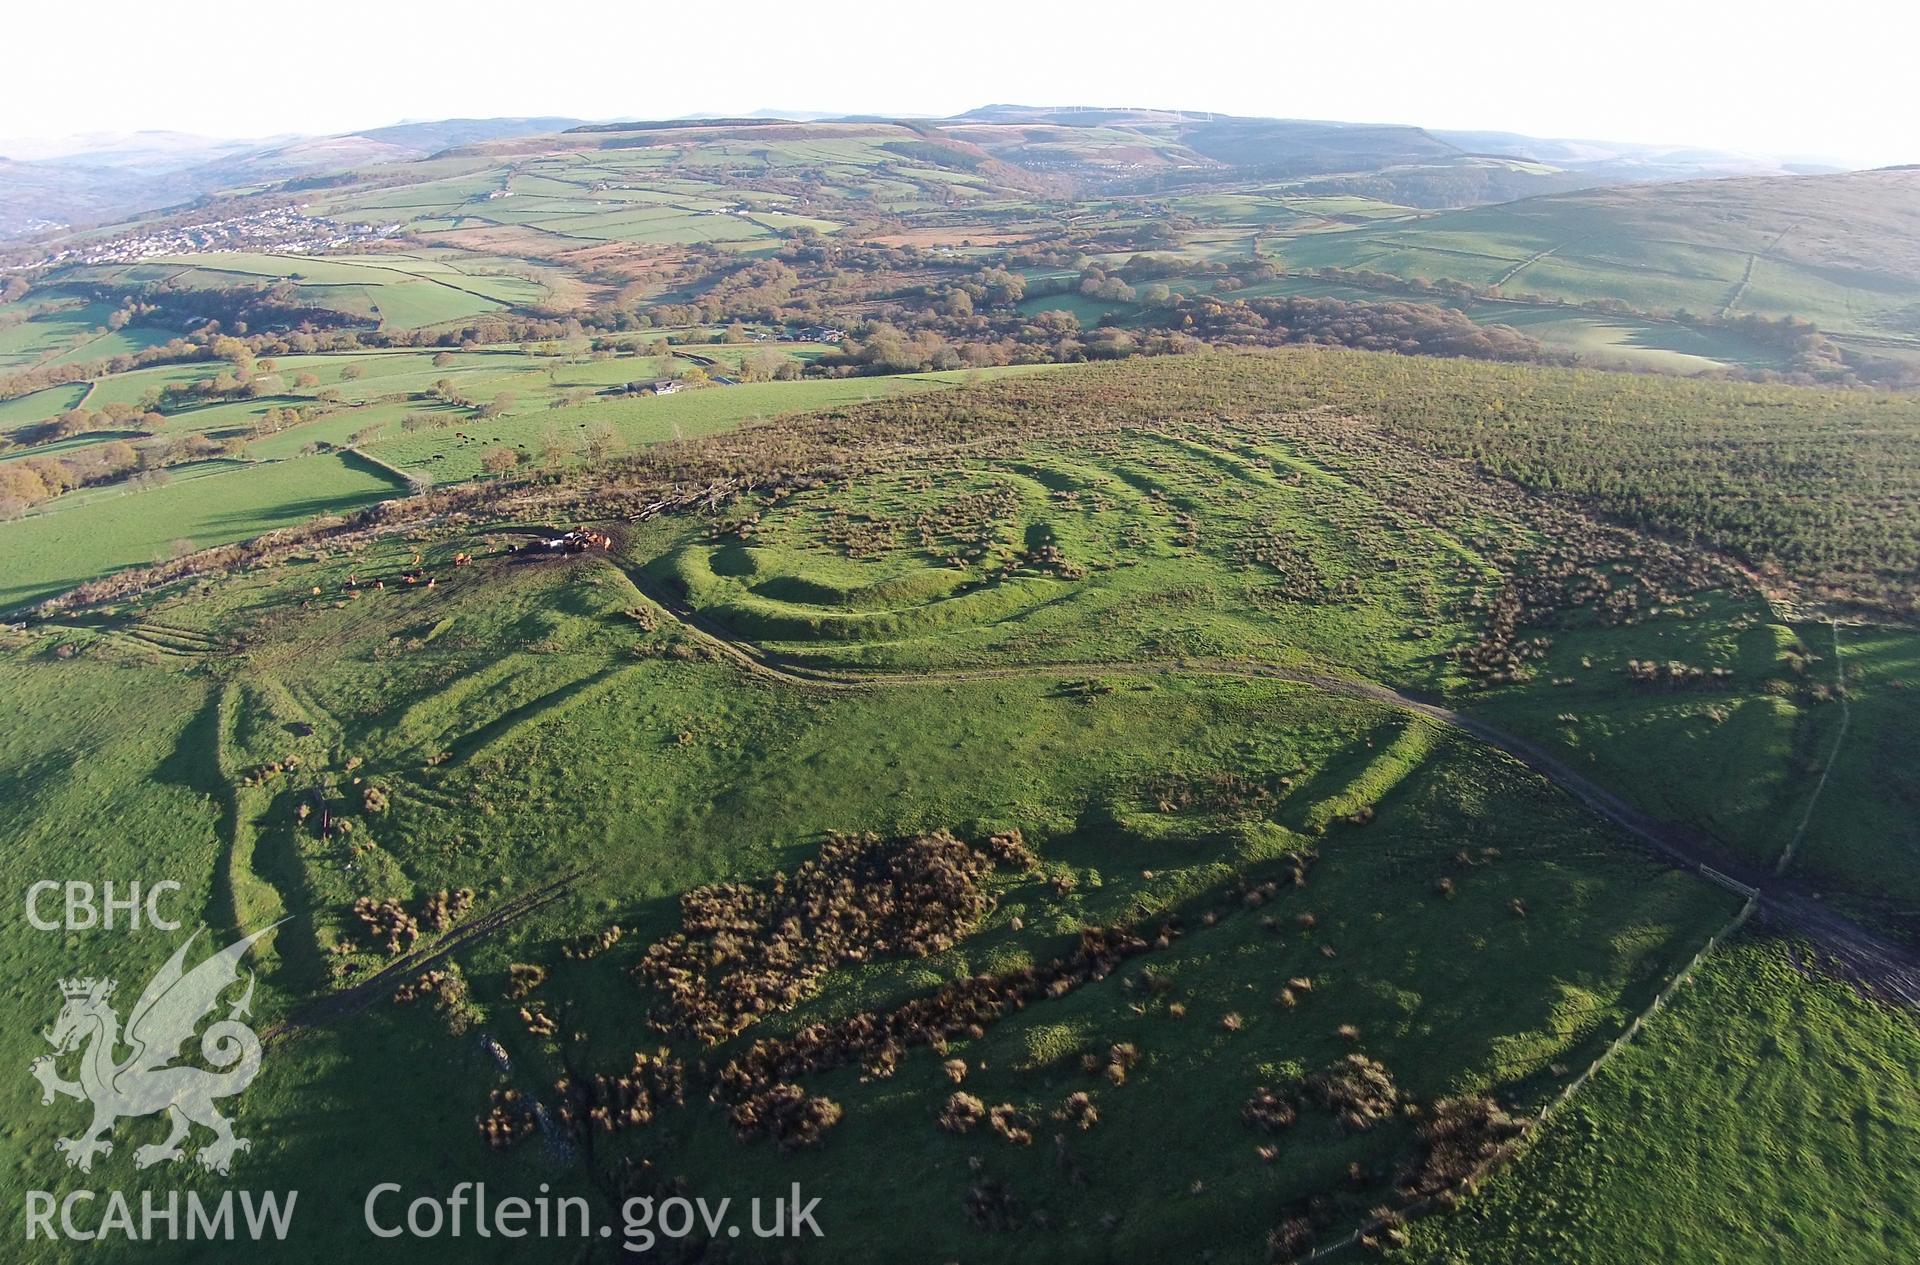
[1756, 76]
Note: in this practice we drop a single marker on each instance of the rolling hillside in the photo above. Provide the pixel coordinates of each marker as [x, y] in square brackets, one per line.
[1840, 250]
[96, 179]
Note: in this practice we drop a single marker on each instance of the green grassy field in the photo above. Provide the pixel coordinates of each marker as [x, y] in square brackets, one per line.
[399, 291]
[1875, 835]
[1762, 1115]
[448, 455]
[101, 531]
[1131, 611]
[40, 405]
[1607, 342]
[561, 408]
[1088, 311]
[1710, 247]
[46, 331]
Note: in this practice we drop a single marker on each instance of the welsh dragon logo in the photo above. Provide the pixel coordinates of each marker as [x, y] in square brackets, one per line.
[148, 1081]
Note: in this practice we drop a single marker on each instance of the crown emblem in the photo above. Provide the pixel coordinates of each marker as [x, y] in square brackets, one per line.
[81, 989]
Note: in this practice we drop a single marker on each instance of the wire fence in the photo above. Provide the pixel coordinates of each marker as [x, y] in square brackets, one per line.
[1846, 718]
[1517, 1147]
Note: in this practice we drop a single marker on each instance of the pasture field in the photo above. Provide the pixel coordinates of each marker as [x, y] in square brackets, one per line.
[1286, 211]
[1753, 1061]
[393, 291]
[102, 531]
[1730, 247]
[1085, 309]
[40, 405]
[563, 409]
[1631, 342]
[1879, 674]
[123, 342]
[454, 452]
[50, 330]
[1602, 341]
[1319, 715]
[343, 385]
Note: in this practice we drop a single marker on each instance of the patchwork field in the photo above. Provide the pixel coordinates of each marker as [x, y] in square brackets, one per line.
[391, 291]
[429, 417]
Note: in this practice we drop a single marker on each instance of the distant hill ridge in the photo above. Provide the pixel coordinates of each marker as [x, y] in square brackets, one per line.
[1085, 147]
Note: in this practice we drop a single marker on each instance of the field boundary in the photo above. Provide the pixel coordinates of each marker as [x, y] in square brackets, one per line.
[1833, 756]
[409, 481]
[1518, 1148]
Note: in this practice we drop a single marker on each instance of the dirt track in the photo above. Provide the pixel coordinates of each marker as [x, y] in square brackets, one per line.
[1886, 968]
[350, 1001]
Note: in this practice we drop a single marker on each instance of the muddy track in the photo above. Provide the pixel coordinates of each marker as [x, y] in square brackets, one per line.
[1884, 967]
[351, 1001]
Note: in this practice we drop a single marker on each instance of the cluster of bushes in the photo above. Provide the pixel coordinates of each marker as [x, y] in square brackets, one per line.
[961, 1009]
[396, 928]
[388, 922]
[1673, 674]
[1403, 327]
[1615, 576]
[448, 989]
[1211, 792]
[27, 482]
[1358, 1091]
[962, 1112]
[628, 1101]
[903, 341]
[1459, 1138]
[745, 951]
[785, 1113]
[509, 1119]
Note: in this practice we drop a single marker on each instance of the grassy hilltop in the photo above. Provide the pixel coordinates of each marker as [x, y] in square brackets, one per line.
[1212, 795]
[1132, 685]
[316, 338]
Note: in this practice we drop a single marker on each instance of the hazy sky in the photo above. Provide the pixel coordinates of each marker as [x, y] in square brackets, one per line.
[1834, 80]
